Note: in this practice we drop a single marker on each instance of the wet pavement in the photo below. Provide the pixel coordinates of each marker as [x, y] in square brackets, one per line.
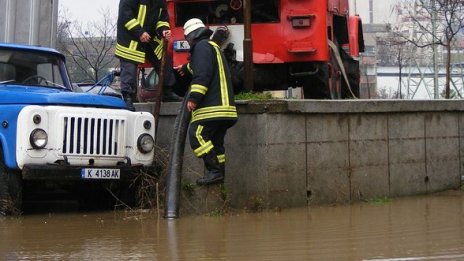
[414, 228]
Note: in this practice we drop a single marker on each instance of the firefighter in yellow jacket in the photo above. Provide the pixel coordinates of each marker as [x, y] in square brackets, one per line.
[140, 28]
[211, 100]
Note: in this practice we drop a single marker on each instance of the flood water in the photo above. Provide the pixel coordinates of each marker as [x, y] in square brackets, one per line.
[414, 228]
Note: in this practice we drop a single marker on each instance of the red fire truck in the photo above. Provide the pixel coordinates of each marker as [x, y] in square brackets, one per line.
[312, 44]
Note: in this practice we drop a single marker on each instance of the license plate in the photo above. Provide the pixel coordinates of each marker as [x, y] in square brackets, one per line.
[181, 46]
[100, 173]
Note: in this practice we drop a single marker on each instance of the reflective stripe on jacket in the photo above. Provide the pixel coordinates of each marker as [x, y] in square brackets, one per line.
[136, 17]
[211, 86]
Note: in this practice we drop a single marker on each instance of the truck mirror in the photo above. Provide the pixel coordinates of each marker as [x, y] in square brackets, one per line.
[151, 81]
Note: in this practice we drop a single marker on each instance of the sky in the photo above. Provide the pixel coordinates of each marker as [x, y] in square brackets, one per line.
[88, 10]
[382, 10]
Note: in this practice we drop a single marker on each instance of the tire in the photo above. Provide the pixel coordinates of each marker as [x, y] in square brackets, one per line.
[10, 190]
[317, 86]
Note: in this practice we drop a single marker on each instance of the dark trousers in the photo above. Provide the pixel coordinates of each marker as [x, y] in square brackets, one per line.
[129, 71]
[209, 136]
[128, 77]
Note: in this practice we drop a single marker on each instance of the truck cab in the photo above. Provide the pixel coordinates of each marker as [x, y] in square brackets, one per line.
[51, 131]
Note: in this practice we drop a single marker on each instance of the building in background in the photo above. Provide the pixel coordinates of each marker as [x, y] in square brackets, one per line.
[401, 68]
[369, 60]
[32, 22]
[377, 16]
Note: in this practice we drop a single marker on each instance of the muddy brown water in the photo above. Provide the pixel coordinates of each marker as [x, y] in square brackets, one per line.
[413, 228]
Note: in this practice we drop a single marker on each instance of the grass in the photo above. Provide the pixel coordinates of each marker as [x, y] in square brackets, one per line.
[379, 201]
[188, 188]
[218, 212]
[223, 192]
[253, 96]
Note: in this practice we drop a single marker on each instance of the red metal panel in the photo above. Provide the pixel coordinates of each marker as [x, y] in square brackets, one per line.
[338, 7]
[281, 42]
[354, 23]
[177, 34]
[344, 7]
[289, 44]
[333, 6]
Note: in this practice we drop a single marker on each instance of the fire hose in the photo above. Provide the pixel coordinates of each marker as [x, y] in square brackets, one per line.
[334, 49]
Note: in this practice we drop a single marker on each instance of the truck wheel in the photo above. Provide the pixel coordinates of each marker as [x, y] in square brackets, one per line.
[10, 191]
[317, 86]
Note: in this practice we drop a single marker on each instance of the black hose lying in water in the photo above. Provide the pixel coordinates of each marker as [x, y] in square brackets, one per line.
[171, 206]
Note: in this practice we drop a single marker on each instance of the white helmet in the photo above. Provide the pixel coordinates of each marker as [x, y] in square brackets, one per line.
[192, 25]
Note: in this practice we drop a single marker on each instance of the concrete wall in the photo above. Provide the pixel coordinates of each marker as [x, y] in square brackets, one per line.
[295, 153]
[31, 22]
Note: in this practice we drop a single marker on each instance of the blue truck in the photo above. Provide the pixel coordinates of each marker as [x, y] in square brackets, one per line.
[51, 131]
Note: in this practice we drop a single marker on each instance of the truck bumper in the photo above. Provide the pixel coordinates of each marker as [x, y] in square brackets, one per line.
[70, 173]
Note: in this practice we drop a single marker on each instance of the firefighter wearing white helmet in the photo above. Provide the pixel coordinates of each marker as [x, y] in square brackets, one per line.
[210, 100]
[192, 25]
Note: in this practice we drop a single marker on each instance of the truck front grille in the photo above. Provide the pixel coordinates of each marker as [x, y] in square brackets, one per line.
[92, 136]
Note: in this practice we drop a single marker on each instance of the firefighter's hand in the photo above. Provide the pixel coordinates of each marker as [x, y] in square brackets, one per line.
[145, 37]
[191, 106]
[179, 70]
[167, 34]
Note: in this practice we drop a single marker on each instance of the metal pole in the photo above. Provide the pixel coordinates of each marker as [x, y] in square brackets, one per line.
[53, 23]
[34, 25]
[10, 21]
[435, 54]
[400, 66]
[157, 108]
[247, 46]
[371, 11]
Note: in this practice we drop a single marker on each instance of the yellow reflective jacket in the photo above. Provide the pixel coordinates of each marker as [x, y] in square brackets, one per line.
[136, 17]
[211, 85]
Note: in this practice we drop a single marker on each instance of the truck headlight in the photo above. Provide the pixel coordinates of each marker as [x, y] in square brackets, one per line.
[145, 143]
[38, 138]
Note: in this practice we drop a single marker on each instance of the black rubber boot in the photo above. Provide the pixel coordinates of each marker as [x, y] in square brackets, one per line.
[214, 174]
[170, 96]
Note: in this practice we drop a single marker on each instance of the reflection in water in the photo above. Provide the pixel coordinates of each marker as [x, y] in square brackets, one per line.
[419, 228]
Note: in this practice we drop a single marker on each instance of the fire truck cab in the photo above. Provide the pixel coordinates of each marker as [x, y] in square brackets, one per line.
[305, 43]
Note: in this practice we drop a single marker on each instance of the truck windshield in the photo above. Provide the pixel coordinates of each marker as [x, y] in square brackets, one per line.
[31, 68]
[226, 11]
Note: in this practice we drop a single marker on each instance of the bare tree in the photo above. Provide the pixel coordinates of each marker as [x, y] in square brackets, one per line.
[439, 22]
[383, 93]
[452, 94]
[394, 50]
[89, 49]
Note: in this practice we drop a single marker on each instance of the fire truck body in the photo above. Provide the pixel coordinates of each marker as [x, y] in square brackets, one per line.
[291, 42]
